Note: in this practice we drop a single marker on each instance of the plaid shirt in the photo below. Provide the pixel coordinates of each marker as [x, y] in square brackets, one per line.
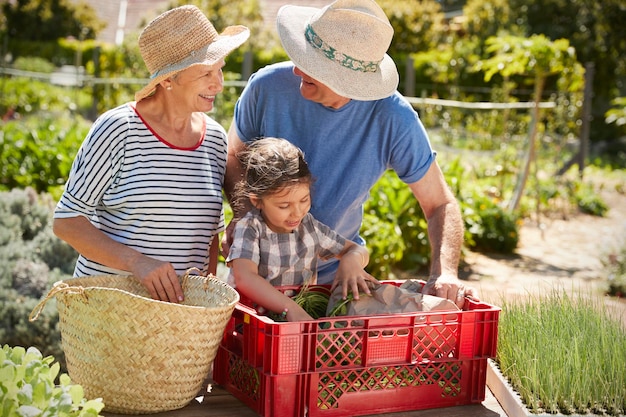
[284, 258]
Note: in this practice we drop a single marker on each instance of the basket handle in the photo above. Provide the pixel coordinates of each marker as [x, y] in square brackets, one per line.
[59, 287]
[193, 269]
[199, 273]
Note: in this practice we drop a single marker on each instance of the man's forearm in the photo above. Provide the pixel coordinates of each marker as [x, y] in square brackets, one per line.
[445, 232]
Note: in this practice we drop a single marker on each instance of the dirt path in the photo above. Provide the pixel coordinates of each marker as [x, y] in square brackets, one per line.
[562, 254]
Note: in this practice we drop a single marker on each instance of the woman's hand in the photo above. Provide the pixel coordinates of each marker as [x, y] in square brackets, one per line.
[159, 278]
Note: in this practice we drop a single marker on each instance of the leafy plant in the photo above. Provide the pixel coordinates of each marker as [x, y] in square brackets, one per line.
[22, 96]
[29, 388]
[38, 151]
[492, 228]
[312, 298]
[396, 231]
[33, 63]
[617, 113]
[384, 242]
[394, 228]
[589, 202]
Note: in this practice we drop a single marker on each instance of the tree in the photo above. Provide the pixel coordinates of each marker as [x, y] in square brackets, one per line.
[49, 20]
[417, 25]
[617, 113]
[594, 28]
[537, 57]
[484, 19]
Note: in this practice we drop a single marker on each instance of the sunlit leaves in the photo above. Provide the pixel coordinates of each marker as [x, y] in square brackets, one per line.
[27, 384]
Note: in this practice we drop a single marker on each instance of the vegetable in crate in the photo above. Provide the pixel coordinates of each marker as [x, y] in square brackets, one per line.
[388, 299]
[312, 298]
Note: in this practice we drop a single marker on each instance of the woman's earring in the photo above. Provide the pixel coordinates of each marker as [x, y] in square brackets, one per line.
[169, 87]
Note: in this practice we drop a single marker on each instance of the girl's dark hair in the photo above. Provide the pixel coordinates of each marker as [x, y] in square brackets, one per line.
[270, 165]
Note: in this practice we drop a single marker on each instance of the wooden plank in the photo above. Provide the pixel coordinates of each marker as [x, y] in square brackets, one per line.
[220, 403]
[216, 403]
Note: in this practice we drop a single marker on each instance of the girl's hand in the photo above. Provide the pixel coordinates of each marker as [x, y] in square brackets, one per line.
[351, 276]
[297, 313]
[259, 290]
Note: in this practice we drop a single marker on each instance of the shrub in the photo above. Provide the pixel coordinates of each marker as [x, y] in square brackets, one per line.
[384, 243]
[589, 202]
[23, 215]
[38, 151]
[396, 231]
[23, 96]
[615, 264]
[492, 228]
[17, 330]
[31, 260]
[394, 228]
[488, 226]
[33, 63]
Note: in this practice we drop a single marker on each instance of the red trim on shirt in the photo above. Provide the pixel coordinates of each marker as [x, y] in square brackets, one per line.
[132, 106]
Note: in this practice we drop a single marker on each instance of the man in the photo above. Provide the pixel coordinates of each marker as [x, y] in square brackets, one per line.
[337, 101]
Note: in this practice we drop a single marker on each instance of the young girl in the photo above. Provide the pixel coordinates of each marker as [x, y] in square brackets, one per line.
[278, 242]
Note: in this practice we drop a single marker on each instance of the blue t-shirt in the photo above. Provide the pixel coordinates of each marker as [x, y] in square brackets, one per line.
[347, 149]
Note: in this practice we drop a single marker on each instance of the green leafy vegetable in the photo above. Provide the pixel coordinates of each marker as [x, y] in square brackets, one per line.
[313, 299]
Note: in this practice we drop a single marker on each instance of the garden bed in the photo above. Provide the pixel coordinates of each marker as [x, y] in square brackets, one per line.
[509, 400]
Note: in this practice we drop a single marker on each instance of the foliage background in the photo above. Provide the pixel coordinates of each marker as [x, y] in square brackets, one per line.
[480, 151]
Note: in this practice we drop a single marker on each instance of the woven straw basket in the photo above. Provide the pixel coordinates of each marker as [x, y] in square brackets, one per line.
[140, 355]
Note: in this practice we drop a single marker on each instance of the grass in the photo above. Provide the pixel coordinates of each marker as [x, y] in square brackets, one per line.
[564, 353]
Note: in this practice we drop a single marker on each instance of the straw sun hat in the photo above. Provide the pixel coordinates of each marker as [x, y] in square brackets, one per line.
[180, 38]
[343, 45]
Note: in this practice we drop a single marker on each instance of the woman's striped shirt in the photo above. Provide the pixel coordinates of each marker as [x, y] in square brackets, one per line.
[163, 201]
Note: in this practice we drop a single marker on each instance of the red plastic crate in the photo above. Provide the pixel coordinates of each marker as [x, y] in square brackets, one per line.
[357, 365]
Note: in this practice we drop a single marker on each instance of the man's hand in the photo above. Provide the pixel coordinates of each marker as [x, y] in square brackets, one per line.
[450, 287]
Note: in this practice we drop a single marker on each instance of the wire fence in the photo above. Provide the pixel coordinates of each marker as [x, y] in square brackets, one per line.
[75, 77]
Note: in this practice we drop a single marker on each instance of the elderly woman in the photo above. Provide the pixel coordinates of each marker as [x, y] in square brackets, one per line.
[144, 196]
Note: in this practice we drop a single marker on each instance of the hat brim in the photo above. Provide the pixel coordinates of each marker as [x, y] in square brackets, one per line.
[291, 23]
[231, 38]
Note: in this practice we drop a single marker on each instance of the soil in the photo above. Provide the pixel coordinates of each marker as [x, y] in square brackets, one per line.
[566, 254]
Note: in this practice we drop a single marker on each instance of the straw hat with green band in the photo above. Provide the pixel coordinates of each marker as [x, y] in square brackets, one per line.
[180, 38]
[343, 45]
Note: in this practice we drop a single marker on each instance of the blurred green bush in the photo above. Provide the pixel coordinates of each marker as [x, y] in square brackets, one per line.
[31, 260]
